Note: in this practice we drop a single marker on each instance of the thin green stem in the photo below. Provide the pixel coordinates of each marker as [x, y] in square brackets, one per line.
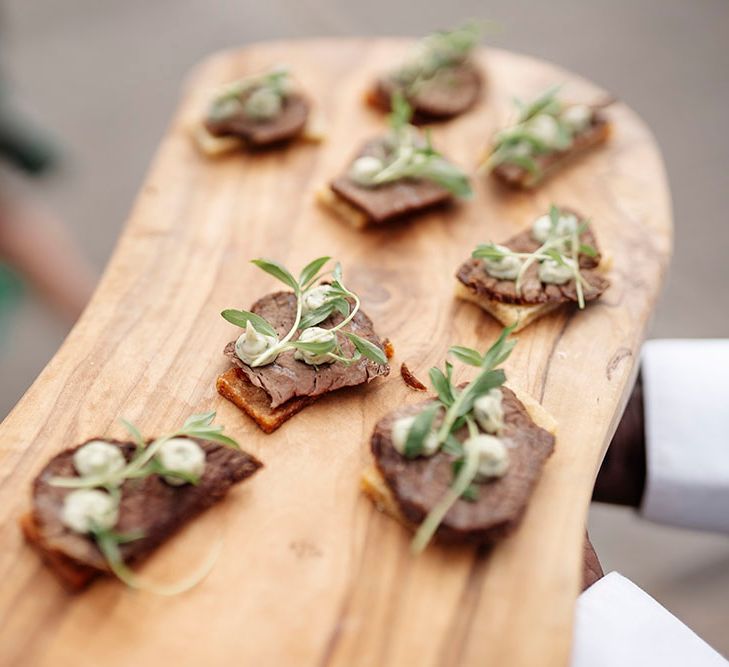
[427, 529]
[576, 265]
[337, 357]
[450, 417]
[147, 455]
[472, 428]
[274, 351]
[531, 258]
[394, 171]
[317, 278]
[351, 315]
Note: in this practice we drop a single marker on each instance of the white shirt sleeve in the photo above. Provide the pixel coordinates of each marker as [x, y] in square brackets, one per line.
[686, 401]
[619, 625]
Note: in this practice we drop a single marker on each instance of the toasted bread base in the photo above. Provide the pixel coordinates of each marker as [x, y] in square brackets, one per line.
[330, 200]
[508, 314]
[72, 574]
[375, 487]
[212, 146]
[255, 402]
[208, 144]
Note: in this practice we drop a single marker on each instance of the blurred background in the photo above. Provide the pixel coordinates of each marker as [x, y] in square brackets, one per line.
[103, 79]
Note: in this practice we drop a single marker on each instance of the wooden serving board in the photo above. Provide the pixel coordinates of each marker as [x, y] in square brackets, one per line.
[310, 573]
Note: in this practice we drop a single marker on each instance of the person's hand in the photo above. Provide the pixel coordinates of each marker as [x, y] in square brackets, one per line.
[621, 478]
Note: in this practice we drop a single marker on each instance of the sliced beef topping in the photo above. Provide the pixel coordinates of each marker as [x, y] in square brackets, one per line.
[596, 132]
[149, 505]
[390, 200]
[419, 484]
[453, 91]
[287, 377]
[474, 276]
[284, 126]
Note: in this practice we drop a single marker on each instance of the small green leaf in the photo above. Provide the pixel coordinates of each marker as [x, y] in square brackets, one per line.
[582, 227]
[500, 350]
[545, 103]
[401, 112]
[337, 289]
[488, 251]
[217, 436]
[555, 255]
[466, 355]
[588, 250]
[342, 305]
[134, 432]
[315, 346]
[278, 271]
[484, 383]
[421, 427]
[200, 420]
[452, 446]
[316, 316]
[367, 348]
[527, 163]
[554, 216]
[154, 467]
[125, 538]
[310, 271]
[471, 493]
[442, 386]
[241, 318]
[446, 175]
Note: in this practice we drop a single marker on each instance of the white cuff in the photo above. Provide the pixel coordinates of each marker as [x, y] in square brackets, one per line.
[619, 625]
[686, 400]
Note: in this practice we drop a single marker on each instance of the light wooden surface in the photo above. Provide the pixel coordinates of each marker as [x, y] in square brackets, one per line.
[310, 573]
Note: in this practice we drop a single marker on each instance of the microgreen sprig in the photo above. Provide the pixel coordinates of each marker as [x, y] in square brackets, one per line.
[437, 52]
[522, 143]
[229, 100]
[412, 155]
[338, 298]
[559, 247]
[456, 406]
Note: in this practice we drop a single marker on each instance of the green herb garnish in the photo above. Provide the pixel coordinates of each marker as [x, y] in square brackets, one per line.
[564, 248]
[337, 298]
[260, 97]
[436, 54]
[456, 405]
[542, 126]
[410, 154]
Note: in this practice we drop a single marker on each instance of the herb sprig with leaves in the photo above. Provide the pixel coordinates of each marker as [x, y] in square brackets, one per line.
[144, 464]
[435, 53]
[562, 248]
[270, 90]
[526, 140]
[455, 406]
[412, 155]
[338, 298]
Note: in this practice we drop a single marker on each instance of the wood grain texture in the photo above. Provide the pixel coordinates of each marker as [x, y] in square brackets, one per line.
[310, 573]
